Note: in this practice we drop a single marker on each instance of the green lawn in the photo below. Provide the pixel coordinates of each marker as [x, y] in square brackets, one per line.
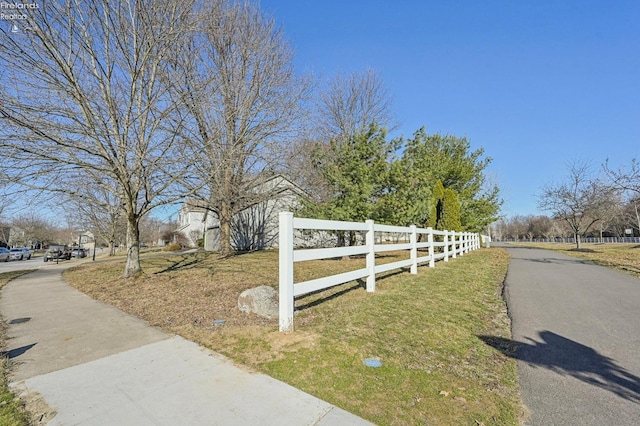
[423, 328]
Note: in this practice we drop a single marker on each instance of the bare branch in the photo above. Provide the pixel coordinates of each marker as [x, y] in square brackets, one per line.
[242, 98]
[352, 103]
[581, 200]
[87, 101]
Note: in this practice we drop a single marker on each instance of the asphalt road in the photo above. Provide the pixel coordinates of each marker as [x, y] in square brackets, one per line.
[37, 263]
[18, 265]
[576, 332]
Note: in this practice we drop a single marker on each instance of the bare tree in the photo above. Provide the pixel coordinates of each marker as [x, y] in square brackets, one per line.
[100, 211]
[629, 217]
[625, 179]
[635, 213]
[352, 103]
[612, 210]
[83, 99]
[580, 201]
[517, 227]
[6, 200]
[348, 105]
[9, 195]
[151, 229]
[243, 101]
[36, 230]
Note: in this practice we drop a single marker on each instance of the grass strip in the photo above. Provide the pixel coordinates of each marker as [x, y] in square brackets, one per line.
[423, 329]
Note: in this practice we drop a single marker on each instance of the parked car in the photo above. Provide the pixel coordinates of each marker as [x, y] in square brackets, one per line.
[20, 253]
[78, 253]
[4, 254]
[57, 252]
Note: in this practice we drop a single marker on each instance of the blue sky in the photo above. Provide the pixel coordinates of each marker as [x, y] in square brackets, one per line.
[536, 83]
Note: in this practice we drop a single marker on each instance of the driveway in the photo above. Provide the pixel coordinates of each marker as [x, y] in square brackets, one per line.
[576, 331]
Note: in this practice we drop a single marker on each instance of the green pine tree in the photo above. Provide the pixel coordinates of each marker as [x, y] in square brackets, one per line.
[451, 211]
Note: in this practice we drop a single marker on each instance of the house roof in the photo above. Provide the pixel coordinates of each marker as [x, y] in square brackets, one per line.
[282, 185]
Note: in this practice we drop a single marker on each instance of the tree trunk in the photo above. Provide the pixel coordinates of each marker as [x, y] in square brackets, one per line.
[350, 238]
[601, 235]
[225, 229]
[132, 267]
[577, 238]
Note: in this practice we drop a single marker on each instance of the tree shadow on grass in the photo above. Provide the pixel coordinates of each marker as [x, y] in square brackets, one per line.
[566, 357]
[558, 261]
[327, 294]
[185, 262]
[360, 284]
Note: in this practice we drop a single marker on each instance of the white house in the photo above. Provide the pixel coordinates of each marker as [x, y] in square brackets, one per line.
[194, 220]
[254, 228]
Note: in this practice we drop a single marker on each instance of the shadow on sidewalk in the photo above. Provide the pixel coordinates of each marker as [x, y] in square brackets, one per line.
[566, 357]
[13, 353]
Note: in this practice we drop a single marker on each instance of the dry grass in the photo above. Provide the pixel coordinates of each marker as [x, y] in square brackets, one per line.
[423, 327]
[623, 257]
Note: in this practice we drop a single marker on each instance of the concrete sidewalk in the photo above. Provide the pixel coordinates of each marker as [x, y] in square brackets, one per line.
[95, 365]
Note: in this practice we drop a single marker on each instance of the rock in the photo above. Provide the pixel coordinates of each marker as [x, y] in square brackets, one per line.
[262, 301]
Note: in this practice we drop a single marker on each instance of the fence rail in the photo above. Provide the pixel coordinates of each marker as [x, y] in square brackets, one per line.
[571, 240]
[452, 244]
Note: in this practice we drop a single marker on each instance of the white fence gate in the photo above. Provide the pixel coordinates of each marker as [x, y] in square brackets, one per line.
[453, 244]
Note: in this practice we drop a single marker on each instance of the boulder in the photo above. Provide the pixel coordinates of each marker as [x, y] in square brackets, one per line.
[262, 301]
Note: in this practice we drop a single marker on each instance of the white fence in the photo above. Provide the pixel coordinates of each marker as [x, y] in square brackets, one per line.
[571, 240]
[452, 244]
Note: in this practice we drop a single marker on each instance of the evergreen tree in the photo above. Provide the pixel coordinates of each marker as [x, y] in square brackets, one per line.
[405, 196]
[450, 160]
[437, 206]
[357, 171]
[450, 211]
[438, 181]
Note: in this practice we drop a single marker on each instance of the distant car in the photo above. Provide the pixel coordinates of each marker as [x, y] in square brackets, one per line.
[4, 254]
[78, 253]
[57, 252]
[20, 253]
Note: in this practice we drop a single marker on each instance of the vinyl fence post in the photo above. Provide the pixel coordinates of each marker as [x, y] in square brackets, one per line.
[454, 254]
[413, 239]
[285, 264]
[432, 261]
[446, 246]
[370, 241]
